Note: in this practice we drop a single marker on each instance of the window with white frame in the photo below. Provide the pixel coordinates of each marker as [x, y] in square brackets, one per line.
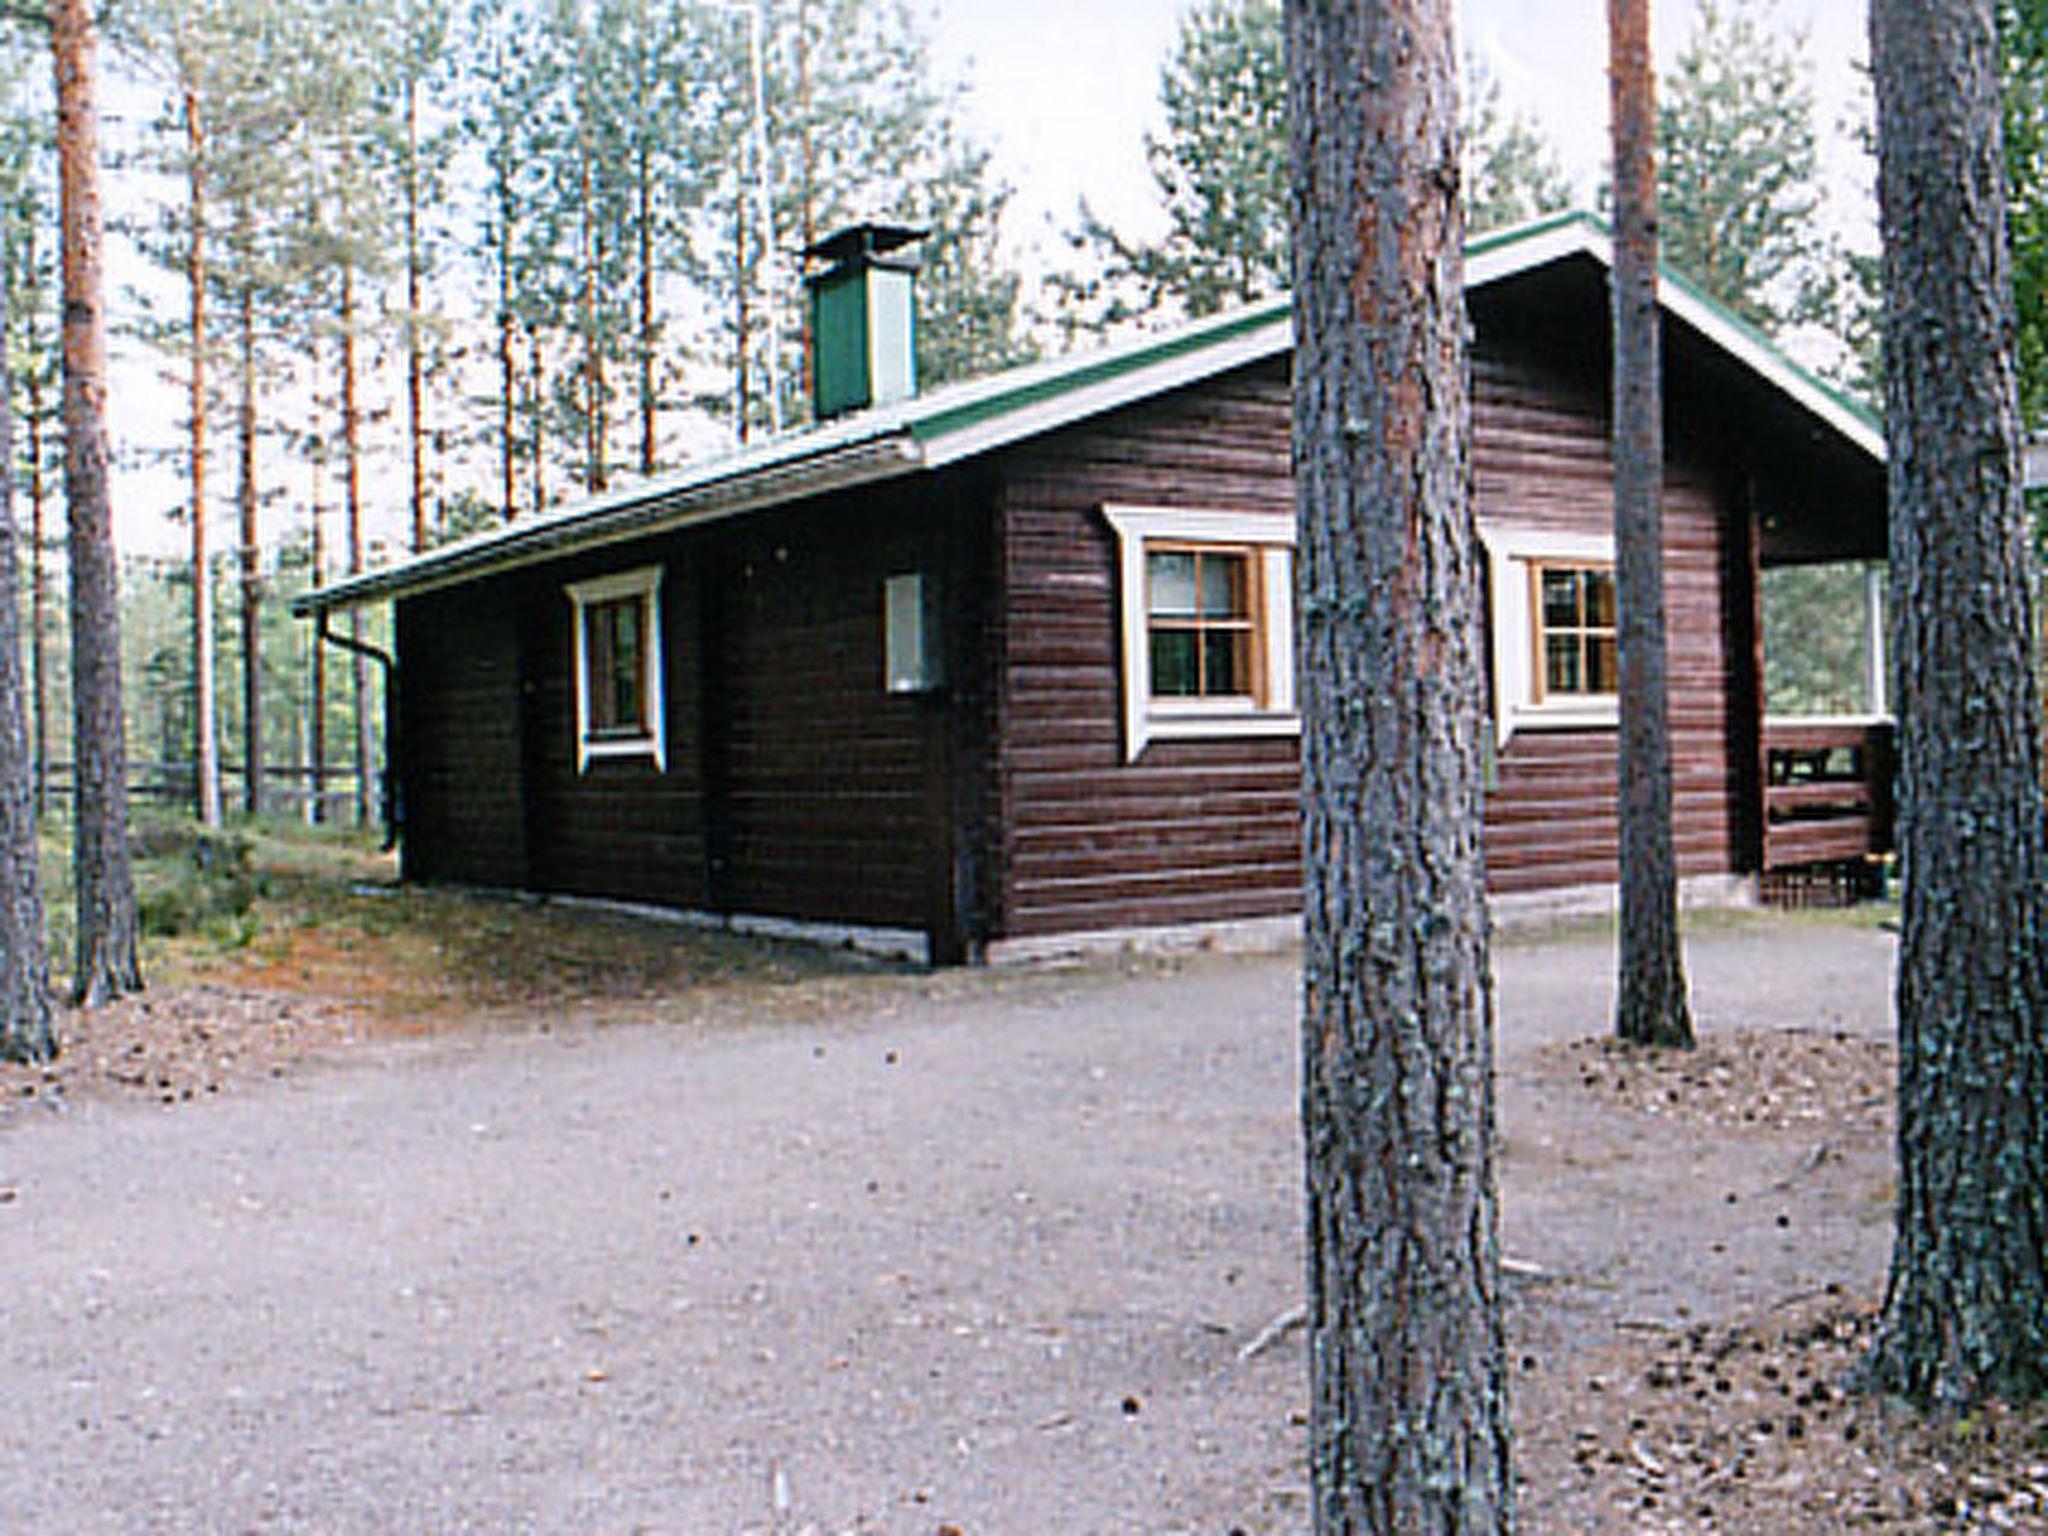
[1554, 629]
[616, 667]
[1207, 600]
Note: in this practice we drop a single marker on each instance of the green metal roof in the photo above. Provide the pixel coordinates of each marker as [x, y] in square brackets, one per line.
[965, 420]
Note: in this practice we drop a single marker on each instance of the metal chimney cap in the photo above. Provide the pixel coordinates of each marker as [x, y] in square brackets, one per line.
[864, 241]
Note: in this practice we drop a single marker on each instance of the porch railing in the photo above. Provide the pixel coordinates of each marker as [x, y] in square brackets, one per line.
[1827, 791]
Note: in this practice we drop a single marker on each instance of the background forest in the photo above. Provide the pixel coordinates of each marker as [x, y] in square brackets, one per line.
[402, 271]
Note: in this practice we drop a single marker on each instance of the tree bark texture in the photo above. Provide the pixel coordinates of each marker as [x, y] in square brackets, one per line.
[1408, 1394]
[1650, 998]
[107, 962]
[205, 727]
[1966, 1305]
[26, 1030]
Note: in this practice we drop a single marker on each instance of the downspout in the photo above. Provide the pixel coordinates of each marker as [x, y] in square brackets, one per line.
[394, 800]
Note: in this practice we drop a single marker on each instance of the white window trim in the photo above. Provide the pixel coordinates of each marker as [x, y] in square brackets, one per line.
[643, 582]
[1510, 552]
[1147, 719]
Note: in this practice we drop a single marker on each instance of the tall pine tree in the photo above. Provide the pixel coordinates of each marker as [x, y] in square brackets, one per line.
[1408, 1423]
[1966, 1303]
[26, 1030]
[108, 961]
[1651, 1007]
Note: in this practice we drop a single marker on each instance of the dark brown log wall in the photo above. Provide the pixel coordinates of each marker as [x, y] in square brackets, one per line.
[461, 771]
[794, 785]
[620, 827]
[1541, 461]
[819, 804]
[1195, 831]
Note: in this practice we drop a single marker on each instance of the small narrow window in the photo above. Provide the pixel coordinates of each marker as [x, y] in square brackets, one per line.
[1574, 607]
[615, 634]
[616, 667]
[911, 659]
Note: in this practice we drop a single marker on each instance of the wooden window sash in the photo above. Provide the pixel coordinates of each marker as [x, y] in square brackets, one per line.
[1581, 633]
[1251, 623]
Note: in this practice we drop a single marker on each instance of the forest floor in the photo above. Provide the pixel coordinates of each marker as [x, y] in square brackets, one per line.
[974, 1252]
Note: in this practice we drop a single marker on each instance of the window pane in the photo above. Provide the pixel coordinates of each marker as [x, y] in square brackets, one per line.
[1224, 666]
[1170, 576]
[1603, 671]
[615, 642]
[1561, 664]
[1223, 587]
[1174, 673]
[1599, 599]
[1560, 599]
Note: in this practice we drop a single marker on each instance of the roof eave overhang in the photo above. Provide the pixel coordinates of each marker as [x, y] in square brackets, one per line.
[660, 511]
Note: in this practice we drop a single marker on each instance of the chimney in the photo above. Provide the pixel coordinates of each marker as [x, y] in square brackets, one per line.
[863, 319]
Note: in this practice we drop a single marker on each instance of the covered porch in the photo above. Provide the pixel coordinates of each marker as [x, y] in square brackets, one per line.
[1829, 739]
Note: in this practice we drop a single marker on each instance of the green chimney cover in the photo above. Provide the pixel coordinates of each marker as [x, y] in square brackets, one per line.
[863, 319]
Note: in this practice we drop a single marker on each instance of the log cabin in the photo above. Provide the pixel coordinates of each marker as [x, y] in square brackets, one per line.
[1008, 666]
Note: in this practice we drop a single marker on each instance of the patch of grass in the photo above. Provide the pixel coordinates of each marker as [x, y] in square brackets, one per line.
[195, 881]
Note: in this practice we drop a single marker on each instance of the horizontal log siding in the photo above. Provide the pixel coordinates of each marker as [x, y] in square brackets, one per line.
[1210, 830]
[620, 827]
[460, 768]
[1541, 461]
[821, 801]
[1191, 831]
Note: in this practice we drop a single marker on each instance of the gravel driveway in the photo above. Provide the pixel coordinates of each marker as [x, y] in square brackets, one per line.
[977, 1257]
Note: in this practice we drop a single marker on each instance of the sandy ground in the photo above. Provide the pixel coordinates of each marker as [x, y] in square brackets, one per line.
[967, 1255]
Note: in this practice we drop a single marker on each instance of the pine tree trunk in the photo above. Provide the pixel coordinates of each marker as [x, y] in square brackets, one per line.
[1650, 1000]
[593, 348]
[742, 320]
[316, 719]
[807, 191]
[38, 567]
[26, 1030]
[107, 962]
[1966, 1307]
[1408, 1427]
[205, 727]
[352, 500]
[415, 382]
[644, 260]
[249, 550]
[536, 403]
[508, 369]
